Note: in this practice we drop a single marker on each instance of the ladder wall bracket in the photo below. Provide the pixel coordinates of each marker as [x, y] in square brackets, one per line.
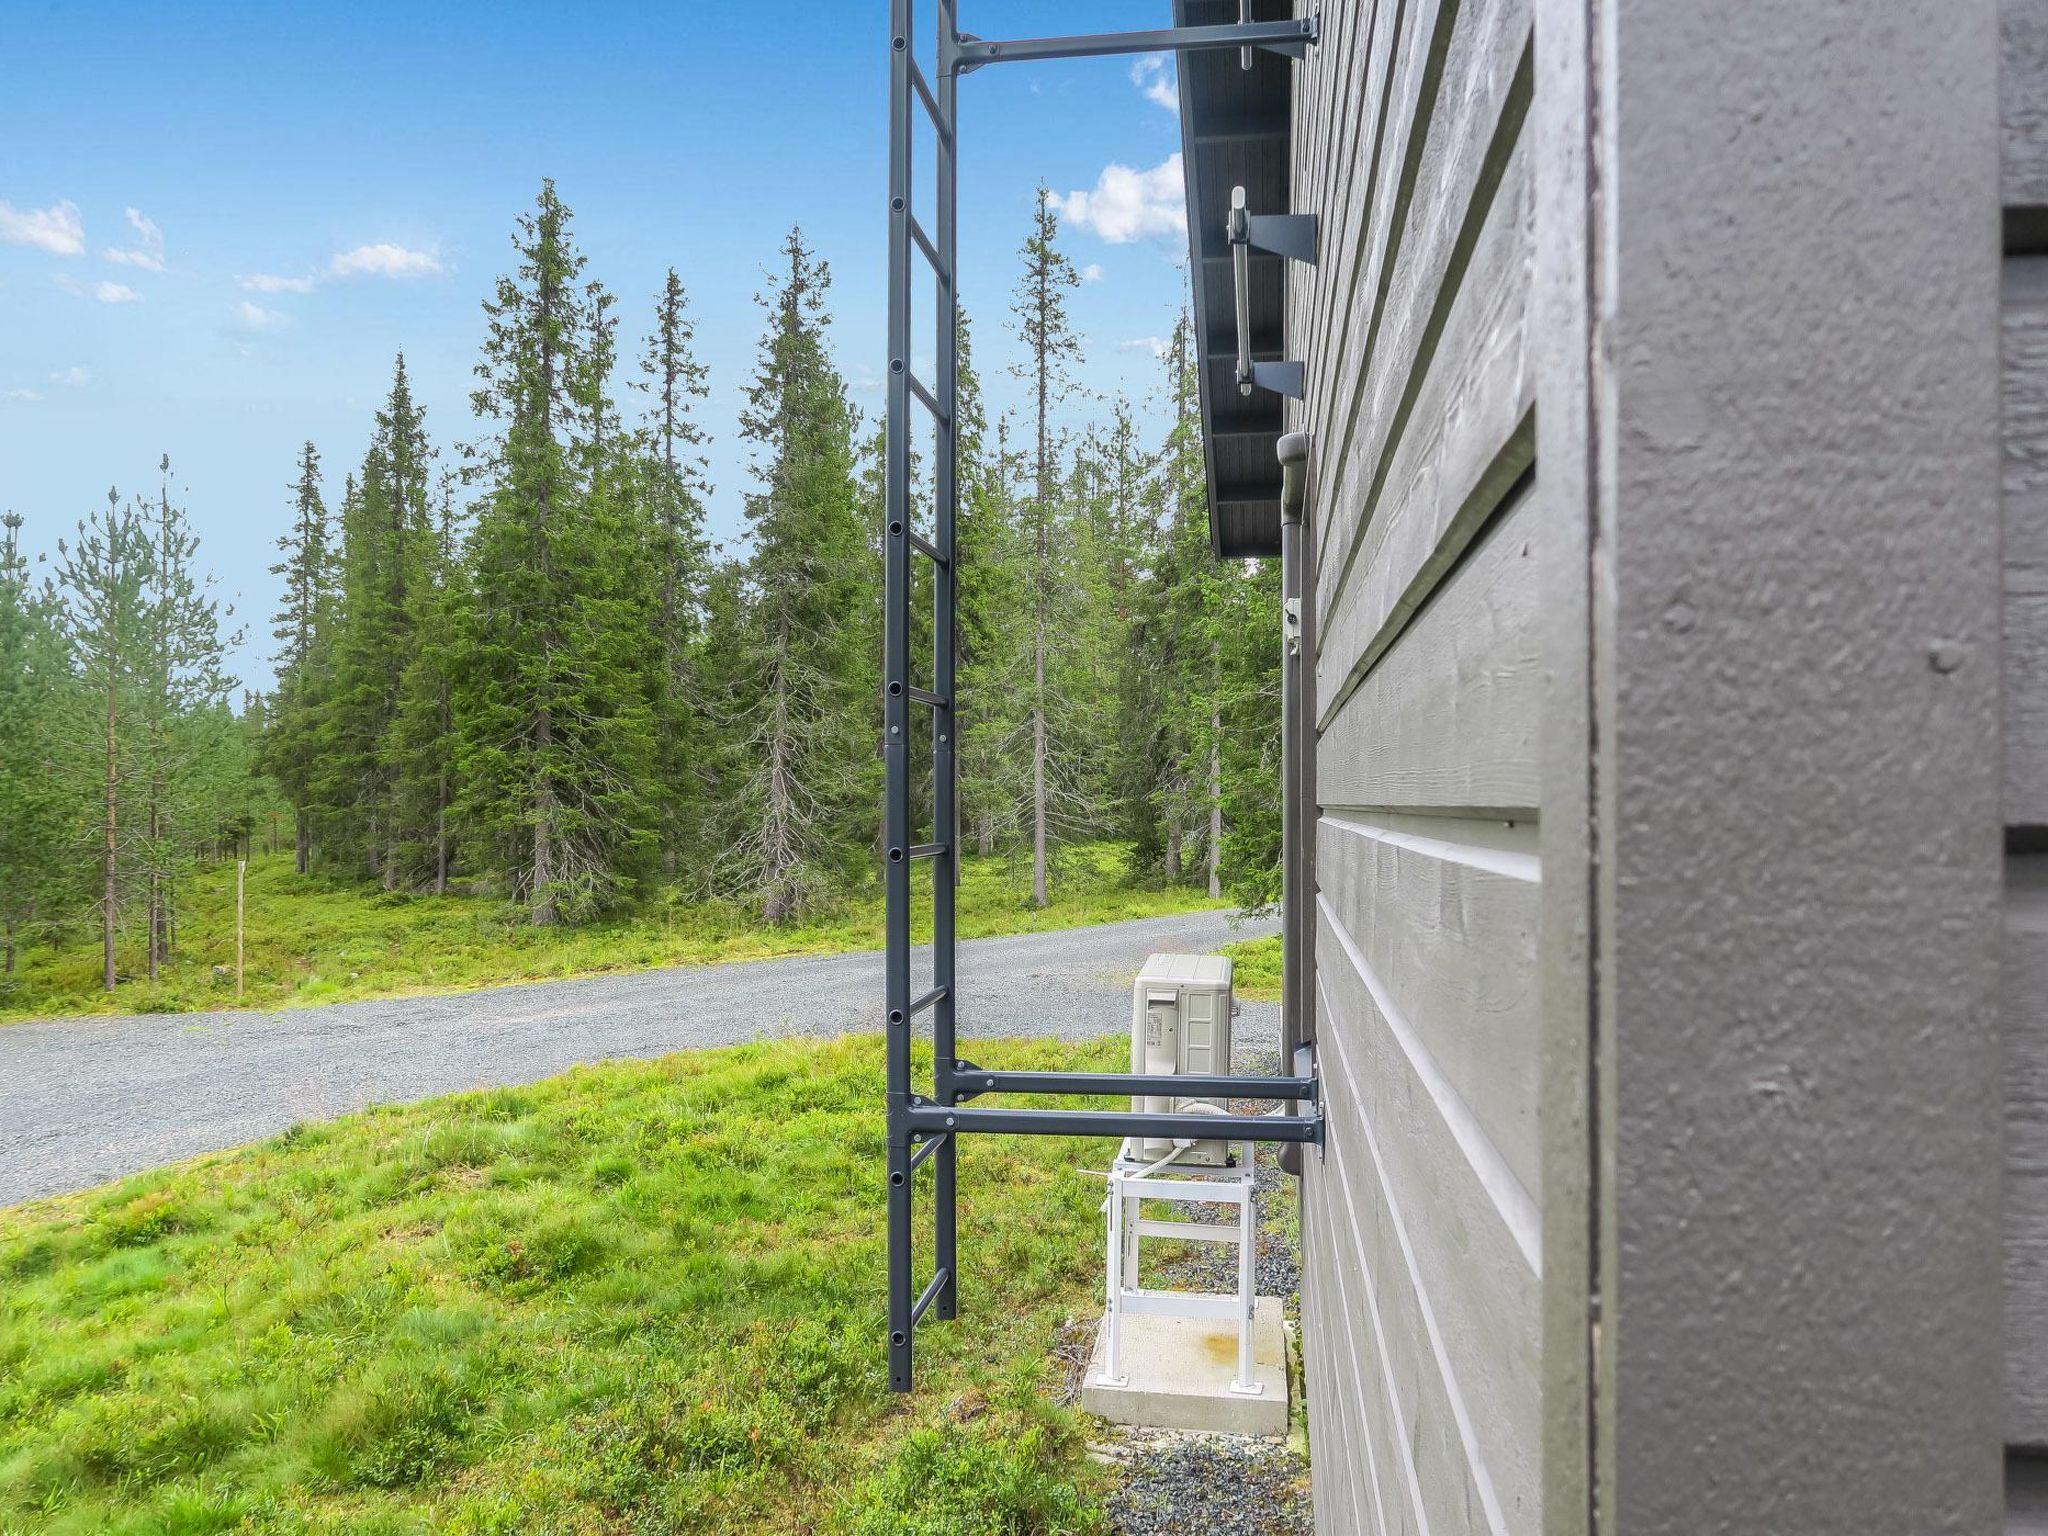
[1291, 39]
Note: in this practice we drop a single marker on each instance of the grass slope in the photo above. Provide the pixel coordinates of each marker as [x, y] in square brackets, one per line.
[319, 941]
[640, 1297]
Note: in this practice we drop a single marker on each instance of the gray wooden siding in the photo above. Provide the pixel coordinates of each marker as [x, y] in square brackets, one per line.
[2024, 357]
[1422, 1297]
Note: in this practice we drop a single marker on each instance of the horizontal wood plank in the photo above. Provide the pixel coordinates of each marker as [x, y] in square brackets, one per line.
[1448, 720]
[1361, 106]
[2025, 983]
[1455, 1294]
[2024, 342]
[1451, 175]
[1340, 1364]
[1445, 912]
[2023, 100]
[1471, 440]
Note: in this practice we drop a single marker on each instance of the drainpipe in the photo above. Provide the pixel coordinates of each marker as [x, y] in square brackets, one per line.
[1297, 772]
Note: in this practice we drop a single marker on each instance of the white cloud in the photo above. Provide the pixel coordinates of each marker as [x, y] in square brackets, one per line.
[1127, 204]
[1092, 273]
[57, 229]
[106, 293]
[24, 395]
[384, 260]
[71, 378]
[1151, 74]
[1156, 345]
[149, 253]
[270, 282]
[254, 317]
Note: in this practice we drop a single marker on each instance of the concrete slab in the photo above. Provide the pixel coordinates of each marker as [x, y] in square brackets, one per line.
[1178, 1371]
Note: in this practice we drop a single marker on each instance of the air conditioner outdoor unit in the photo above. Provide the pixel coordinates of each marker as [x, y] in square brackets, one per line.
[1181, 1007]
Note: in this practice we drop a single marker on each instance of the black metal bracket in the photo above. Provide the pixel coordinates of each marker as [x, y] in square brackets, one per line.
[1282, 378]
[950, 1119]
[1291, 39]
[1286, 234]
[967, 1081]
[1293, 235]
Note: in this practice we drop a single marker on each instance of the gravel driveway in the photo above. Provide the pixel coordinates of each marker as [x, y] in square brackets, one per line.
[86, 1100]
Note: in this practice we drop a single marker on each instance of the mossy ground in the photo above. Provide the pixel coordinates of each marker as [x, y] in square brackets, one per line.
[641, 1297]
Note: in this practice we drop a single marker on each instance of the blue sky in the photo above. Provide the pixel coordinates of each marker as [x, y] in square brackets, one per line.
[218, 224]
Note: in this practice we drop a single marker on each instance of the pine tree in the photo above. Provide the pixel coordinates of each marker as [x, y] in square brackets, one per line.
[301, 623]
[183, 711]
[37, 705]
[105, 575]
[551, 704]
[804, 711]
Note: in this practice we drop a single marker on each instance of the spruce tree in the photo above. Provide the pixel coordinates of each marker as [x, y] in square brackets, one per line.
[1040, 309]
[675, 486]
[386, 537]
[803, 708]
[418, 746]
[1178, 622]
[552, 706]
[302, 622]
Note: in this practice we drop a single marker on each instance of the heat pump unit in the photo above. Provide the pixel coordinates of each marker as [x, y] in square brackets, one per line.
[1180, 1025]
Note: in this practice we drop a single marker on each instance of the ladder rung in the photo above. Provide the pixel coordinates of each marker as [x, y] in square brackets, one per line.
[922, 86]
[930, 404]
[926, 1001]
[926, 696]
[925, 547]
[931, 252]
[927, 850]
[938, 1284]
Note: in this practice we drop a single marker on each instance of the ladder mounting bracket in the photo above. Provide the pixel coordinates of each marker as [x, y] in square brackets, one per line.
[1291, 39]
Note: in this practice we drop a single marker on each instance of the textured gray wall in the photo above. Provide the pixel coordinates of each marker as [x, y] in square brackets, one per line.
[1767, 318]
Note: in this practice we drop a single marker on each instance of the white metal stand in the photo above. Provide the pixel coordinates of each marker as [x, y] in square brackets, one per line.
[1133, 1179]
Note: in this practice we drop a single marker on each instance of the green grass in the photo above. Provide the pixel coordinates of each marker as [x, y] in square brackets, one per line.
[1257, 969]
[642, 1297]
[315, 940]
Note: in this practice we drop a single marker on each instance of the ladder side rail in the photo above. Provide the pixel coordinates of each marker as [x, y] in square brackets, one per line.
[895, 738]
[945, 637]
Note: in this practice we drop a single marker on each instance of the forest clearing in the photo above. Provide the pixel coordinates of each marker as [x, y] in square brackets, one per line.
[328, 940]
[529, 721]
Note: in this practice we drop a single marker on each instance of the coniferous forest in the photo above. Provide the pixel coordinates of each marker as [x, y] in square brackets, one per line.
[510, 661]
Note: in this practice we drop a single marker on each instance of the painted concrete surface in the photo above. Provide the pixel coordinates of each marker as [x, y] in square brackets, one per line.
[1178, 1372]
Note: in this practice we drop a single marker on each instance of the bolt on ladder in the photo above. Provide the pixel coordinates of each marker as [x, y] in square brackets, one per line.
[922, 1129]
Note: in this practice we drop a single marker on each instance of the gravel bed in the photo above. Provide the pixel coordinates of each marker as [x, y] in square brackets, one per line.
[1208, 1485]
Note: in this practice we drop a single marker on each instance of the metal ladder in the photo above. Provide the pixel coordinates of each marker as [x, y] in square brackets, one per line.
[924, 1128]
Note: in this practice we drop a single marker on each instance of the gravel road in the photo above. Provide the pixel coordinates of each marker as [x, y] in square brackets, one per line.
[86, 1100]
